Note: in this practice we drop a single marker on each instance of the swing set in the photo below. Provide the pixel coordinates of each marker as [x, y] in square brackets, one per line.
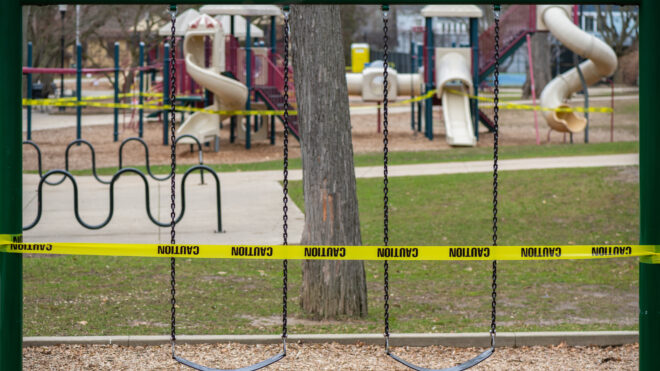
[11, 245]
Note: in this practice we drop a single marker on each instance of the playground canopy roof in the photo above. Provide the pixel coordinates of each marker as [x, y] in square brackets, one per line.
[452, 11]
[245, 10]
[239, 27]
[182, 22]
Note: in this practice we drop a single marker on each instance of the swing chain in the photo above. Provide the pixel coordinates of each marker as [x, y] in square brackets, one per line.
[172, 98]
[285, 182]
[495, 168]
[386, 238]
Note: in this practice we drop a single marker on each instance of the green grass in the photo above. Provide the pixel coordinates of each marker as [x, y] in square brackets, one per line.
[83, 295]
[420, 157]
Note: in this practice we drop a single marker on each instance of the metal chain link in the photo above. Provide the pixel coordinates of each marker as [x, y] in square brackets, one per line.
[173, 169]
[386, 216]
[285, 208]
[493, 323]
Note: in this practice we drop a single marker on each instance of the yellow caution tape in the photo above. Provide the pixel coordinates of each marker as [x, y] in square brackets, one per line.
[516, 106]
[158, 107]
[48, 101]
[551, 252]
[87, 102]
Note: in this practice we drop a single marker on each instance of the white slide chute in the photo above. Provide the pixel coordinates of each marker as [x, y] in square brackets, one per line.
[454, 84]
[228, 93]
[601, 62]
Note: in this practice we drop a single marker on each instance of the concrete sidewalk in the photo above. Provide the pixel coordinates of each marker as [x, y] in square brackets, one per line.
[461, 167]
[251, 203]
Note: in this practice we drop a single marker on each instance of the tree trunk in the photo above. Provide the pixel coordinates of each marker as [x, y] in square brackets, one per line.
[542, 64]
[330, 288]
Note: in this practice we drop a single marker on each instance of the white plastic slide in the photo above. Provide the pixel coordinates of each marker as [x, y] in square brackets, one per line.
[454, 83]
[229, 94]
[601, 62]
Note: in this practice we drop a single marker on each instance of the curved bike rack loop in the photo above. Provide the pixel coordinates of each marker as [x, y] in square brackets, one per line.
[115, 177]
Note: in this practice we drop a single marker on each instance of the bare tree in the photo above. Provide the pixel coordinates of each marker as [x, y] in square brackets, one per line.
[330, 288]
[618, 35]
[541, 63]
[100, 25]
[44, 28]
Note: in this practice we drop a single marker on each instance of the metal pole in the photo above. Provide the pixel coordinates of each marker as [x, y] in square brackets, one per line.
[533, 86]
[412, 88]
[29, 91]
[11, 185]
[115, 136]
[428, 104]
[248, 80]
[141, 97]
[378, 118]
[649, 181]
[271, 74]
[62, 12]
[78, 91]
[420, 64]
[474, 43]
[612, 113]
[166, 90]
[231, 25]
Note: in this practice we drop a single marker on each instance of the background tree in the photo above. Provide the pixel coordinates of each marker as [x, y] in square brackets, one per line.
[618, 35]
[542, 64]
[100, 26]
[623, 37]
[330, 288]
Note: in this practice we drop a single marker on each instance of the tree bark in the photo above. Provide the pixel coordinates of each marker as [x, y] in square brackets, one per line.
[330, 288]
[542, 64]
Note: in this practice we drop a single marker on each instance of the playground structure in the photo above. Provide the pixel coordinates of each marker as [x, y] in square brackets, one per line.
[228, 94]
[516, 24]
[144, 85]
[262, 77]
[649, 272]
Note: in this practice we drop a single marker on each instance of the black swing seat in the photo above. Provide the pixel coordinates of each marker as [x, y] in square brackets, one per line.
[463, 366]
[253, 367]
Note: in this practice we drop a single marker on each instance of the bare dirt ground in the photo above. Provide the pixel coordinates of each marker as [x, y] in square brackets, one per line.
[325, 357]
[516, 128]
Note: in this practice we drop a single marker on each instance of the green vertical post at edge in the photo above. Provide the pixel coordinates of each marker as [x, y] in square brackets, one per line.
[78, 91]
[649, 182]
[11, 265]
[141, 97]
[166, 91]
[428, 103]
[248, 79]
[115, 135]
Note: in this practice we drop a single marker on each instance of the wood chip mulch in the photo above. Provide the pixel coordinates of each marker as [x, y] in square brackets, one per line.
[325, 357]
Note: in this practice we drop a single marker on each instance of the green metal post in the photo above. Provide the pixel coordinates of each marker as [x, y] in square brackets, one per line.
[428, 103]
[474, 44]
[29, 91]
[11, 185]
[115, 136]
[141, 97]
[412, 91]
[78, 91]
[649, 182]
[166, 91]
[248, 79]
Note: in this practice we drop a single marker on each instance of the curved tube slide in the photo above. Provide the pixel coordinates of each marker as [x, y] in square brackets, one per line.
[228, 93]
[601, 62]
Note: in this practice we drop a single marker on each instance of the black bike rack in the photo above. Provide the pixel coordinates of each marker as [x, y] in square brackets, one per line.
[66, 174]
[115, 177]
